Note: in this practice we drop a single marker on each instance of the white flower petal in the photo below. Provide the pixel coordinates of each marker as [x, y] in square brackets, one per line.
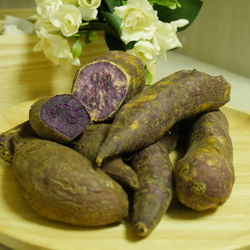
[146, 51]
[139, 20]
[88, 14]
[67, 18]
[56, 49]
[46, 7]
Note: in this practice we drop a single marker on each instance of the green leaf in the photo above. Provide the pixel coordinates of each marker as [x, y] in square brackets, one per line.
[91, 36]
[149, 77]
[130, 45]
[189, 10]
[171, 4]
[112, 3]
[77, 48]
[114, 43]
[113, 20]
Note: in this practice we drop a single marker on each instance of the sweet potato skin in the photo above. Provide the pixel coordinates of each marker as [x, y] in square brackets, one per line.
[155, 174]
[6, 139]
[205, 175]
[147, 116]
[121, 172]
[89, 144]
[102, 102]
[90, 141]
[60, 184]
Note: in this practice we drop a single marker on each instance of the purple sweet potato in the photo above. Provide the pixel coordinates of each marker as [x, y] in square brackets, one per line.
[147, 116]
[62, 185]
[155, 174]
[89, 144]
[108, 81]
[6, 139]
[121, 172]
[204, 176]
[60, 118]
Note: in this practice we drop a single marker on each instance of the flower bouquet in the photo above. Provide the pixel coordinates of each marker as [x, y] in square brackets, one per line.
[145, 28]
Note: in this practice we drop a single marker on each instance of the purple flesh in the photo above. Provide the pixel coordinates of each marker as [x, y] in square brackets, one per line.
[65, 114]
[101, 87]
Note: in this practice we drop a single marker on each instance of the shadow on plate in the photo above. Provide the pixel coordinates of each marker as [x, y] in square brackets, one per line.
[178, 211]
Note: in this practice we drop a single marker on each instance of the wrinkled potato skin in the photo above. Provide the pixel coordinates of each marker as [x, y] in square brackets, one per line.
[90, 141]
[89, 144]
[155, 174]
[147, 116]
[121, 172]
[60, 184]
[6, 139]
[205, 175]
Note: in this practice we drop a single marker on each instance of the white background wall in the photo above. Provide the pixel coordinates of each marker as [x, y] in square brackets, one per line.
[221, 35]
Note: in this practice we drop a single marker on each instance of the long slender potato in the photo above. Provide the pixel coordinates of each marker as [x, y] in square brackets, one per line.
[205, 175]
[155, 174]
[147, 116]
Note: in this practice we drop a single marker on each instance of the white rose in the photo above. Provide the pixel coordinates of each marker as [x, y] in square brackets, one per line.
[56, 48]
[146, 51]
[45, 24]
[46, 7]
[88, 14]
[88, 9]
[138, 20]
[67, 18]
[165, 37]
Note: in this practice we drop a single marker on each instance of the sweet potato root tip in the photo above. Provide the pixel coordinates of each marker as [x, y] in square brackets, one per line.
[155, 173]
[141, 229]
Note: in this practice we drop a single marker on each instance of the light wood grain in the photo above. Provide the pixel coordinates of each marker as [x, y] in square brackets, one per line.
[26, 74]
[226, 228]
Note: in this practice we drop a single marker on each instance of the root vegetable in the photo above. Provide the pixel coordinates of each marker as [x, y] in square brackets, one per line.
[147, 116]
[6, 139]
[62, 185]
[154, 170]
[89, 144]
[61, 118]
[121, 172]
[104, 84]
[205, 175]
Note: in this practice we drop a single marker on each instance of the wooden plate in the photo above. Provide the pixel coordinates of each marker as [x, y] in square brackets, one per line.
[226, 228]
